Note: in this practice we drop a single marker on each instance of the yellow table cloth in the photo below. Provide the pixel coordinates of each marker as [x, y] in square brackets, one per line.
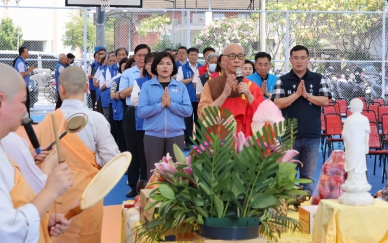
[335, 222]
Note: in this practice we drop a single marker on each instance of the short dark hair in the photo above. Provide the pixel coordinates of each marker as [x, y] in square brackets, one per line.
[149, 56]
[208, 49]
[70, 55]
[249, 62]
[158, 58]
[192, 49]
[124, 60]
[141, 46]
[94, 55]
[182, 47]
[218, 67]
[173, 50]
[262, 55]
[21, 50]
[102, 61]
[167, 49]
[299, 48]
[121, 48]
[129, 62]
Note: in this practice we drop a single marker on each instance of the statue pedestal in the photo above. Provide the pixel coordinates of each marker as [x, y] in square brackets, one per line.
[356, 194]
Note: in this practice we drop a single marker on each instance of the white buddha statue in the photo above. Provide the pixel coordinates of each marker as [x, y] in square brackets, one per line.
[356, 139]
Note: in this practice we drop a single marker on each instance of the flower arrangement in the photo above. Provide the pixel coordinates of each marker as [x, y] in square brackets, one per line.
[227, 177]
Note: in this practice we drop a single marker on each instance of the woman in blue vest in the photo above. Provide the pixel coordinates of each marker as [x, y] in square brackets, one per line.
[105, 92]
[117, 108]
[163, 104]
[138, 84]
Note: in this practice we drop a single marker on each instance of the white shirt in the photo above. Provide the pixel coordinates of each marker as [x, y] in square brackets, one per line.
[199, 85]
[17, 148]
[89, 70]
[135, 94]
[95, 135]
[16, 225]
[196, 76]
[180, 76]
[108, 79]
[98, 73]
[60, 69]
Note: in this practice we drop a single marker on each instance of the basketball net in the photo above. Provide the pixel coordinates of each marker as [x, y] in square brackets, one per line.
[105, 4]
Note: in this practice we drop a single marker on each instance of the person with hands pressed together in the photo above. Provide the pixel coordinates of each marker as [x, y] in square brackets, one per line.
[224, 91]
[24, 214]
[262, 77]
[163, 103]
[300, 94]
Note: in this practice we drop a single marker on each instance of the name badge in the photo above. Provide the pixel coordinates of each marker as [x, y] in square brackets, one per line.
[175, 90]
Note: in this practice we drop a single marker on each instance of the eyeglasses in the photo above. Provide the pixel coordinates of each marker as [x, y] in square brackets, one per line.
[299, 58]
[233, 56]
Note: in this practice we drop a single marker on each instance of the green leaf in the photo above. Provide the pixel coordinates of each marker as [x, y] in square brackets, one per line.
[265, 202]
[151, 205]
[219, 205]
[179, 155]
[167, 192]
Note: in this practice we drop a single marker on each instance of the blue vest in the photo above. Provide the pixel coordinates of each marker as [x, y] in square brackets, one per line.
[271, 81]
[140, 121]
[105, 94]
[57, 74]
[94, 67]
[27, 77]
[178, 64]
[114, 70]
[117, 106]
[188, 73]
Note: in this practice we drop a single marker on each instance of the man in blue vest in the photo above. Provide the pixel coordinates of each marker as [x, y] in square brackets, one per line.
[21, 66]
[59, 67]
[186, 75]
[262, 77]
[91, 71]
[300, 94]
[182, 56]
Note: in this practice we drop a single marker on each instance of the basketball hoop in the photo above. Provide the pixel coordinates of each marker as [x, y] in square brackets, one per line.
[105, 4]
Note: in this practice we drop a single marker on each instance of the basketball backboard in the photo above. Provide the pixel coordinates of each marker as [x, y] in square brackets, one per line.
[112, 3]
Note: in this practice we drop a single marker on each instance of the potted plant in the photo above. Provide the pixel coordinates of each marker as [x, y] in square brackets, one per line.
[228, 184]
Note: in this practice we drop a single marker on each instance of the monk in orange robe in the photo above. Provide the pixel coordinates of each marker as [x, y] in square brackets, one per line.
[85, 152]
[224, 91]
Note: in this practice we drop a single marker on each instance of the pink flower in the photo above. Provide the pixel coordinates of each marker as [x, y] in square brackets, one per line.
[241, 140]
[288, 155]
[266, 113]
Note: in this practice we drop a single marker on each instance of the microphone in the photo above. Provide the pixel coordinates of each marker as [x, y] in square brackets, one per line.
[239, 78]
[26, 122]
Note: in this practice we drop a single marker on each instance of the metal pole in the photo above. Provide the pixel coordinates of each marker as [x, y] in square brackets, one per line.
[263, 38]
[100, 27]
[188, 28]
[210, 4]
[85, 37]
[383, 43]
[287, 39]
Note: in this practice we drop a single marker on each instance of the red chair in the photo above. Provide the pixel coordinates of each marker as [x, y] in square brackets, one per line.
[330, 109]
[382, 110]
[333, 127]
[374, 107]
[343, 106]
[376, 148]
[371, 115]
[378, 101]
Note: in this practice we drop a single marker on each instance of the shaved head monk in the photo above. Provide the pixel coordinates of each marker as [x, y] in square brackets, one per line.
[24, 214]
[242, 99]
[85, 151]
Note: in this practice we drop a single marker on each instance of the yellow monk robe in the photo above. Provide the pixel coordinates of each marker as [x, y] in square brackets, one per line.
[239, 106]
[23, 194]
[85, 227]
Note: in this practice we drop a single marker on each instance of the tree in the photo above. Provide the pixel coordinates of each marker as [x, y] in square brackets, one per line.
[347, 32]
[110, 34]
[160, 23]
[222, 32]
[10, 36]
[74, 34]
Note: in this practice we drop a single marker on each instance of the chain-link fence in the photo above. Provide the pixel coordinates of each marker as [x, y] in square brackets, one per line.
[348, 48]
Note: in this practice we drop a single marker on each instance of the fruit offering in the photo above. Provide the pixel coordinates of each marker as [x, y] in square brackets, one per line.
[332, 176]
